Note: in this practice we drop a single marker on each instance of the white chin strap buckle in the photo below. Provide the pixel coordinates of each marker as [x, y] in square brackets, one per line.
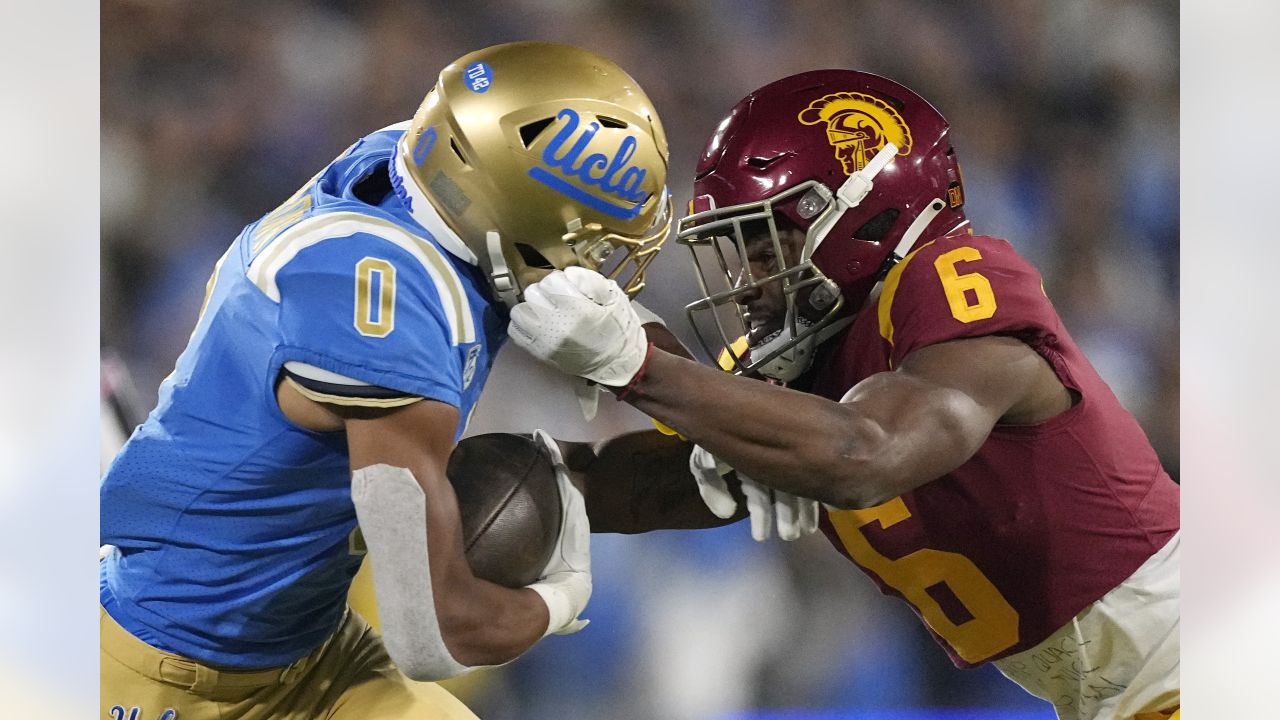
[853, 191]
[504, 283]
[859, 183]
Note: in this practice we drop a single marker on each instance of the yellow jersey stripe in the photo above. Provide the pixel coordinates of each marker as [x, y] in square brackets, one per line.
[329, 399]
[885, 306]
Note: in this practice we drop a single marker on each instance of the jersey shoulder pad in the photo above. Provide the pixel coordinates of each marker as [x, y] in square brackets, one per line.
[344, 235]
[960, 286]
[366, 298]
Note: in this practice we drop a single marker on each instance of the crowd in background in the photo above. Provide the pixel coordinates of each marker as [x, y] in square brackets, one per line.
[1065, 118]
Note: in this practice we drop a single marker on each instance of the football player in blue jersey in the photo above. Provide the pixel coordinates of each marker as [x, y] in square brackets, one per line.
[343, 341]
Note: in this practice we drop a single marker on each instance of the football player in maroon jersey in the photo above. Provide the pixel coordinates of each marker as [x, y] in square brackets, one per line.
[923, 404]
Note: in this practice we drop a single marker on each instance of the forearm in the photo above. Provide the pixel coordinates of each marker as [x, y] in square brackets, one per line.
[793, 441]
[639, 482]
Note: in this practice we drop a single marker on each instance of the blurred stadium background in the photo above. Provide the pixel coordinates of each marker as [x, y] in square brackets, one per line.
[1065, 116]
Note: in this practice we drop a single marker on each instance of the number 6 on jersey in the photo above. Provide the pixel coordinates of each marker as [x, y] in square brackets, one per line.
[375, 297]
[956, 286]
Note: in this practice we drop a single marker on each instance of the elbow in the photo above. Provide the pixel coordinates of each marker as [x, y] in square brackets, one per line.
[423, 669]
[420, 656]
[437, 644]
[853, 484]
[850, 496]
[457, 654]
[861, 469]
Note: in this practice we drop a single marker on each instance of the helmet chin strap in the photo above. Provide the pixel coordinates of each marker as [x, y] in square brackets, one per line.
[501, 278]
[913, 233]
[792, 362]
[916, 228]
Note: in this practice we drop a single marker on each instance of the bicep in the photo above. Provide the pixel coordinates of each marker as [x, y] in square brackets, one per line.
[419, 436]
[935, 411]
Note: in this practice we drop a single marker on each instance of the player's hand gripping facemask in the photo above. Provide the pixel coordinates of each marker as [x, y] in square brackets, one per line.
[581, 323]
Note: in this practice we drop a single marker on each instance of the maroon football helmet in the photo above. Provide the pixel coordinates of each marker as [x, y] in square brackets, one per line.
[859, 164]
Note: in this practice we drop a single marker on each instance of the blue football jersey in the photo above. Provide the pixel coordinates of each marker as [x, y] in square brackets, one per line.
[232, 526]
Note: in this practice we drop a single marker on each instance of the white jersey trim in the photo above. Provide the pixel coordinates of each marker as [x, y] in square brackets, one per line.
[330, 226]
[424, 213]
[311, 372]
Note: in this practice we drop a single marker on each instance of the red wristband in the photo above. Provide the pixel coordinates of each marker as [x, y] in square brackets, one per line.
[630, 388]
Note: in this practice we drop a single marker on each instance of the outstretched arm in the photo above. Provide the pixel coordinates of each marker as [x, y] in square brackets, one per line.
[890, 433]
[639, 482]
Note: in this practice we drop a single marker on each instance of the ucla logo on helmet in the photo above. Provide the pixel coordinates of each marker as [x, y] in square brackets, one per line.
[858, 126]
[118, 712]
[478, 77]
[606, 184]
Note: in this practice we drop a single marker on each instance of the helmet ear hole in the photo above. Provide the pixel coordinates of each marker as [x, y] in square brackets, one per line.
[531, 257]
[878, 226]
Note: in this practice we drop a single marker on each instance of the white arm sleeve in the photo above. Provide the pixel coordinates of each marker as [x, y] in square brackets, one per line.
[392, 511]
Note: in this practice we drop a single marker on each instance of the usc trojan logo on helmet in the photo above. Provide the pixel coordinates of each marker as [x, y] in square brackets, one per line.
[858, 126]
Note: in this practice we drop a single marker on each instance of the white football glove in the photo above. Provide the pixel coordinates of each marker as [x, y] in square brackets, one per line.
[795, 516]
[581, 322]
[565, 584]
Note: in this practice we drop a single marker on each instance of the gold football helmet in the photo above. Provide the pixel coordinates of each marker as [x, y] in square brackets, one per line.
[539, 156]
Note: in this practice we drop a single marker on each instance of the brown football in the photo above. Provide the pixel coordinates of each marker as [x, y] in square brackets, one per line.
[510, 506]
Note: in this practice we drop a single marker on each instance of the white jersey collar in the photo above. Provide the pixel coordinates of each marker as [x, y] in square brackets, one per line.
[423, 212]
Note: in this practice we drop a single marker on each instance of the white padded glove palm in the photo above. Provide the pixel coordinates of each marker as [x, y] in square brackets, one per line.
[581, 322]
[565, 584]
[795, 516]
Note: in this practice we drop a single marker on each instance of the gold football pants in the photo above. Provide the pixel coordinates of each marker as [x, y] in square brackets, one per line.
[349, 677]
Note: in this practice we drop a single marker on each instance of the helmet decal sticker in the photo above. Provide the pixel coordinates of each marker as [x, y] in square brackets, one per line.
[955, 191]
[479, 77]
[610, 175]
[858, 126]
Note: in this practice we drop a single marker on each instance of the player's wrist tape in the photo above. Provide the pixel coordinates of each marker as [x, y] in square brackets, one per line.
[565, 594]
[630, 391]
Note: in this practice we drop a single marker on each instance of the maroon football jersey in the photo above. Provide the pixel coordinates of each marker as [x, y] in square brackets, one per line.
[1043, 520]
